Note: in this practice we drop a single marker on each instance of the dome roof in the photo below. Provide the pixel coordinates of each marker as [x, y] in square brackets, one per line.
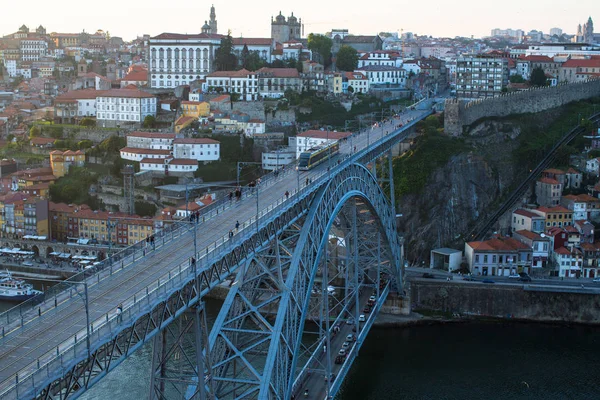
[280, 18]
[292, 18]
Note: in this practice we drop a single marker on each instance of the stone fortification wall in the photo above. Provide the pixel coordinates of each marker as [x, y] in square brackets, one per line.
[461, 113]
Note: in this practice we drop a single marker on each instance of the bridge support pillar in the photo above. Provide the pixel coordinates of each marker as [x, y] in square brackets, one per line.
[179, 361]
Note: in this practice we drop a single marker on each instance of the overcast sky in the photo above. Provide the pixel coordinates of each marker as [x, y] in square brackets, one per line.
[130, 18]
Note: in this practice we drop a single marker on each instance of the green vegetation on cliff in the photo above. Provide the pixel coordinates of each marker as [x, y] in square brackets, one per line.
[431, 150]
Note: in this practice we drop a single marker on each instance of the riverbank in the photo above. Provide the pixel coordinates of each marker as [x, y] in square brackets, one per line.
[35, 272]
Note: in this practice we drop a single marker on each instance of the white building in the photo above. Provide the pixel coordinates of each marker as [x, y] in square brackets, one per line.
[380, 57]
[384, 75]
[169, 164]
[568, 262]
[33, 49]
[151, 140]
[262, 46]
[242, 82]
[201, 149]
[11, 67]
[24, 71]
[124, 106]
[592, 166]
[178, 59]
[313, 138]
[137, 154]
[254, 127]
[480, 76]
[272, 160]
[355, 82]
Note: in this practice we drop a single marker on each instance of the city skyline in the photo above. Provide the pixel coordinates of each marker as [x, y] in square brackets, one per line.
[445, 20]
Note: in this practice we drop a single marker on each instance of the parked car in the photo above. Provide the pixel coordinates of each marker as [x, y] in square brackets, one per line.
[513, 276]
[596, 279]
[428, 275]
[361, 318]
[487, 281]
[525, 278]
[469, 278]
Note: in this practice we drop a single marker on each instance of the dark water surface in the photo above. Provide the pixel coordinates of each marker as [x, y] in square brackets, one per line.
[453, 361]
[477, 361]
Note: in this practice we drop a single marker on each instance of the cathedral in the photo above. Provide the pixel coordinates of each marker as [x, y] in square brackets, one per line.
[585, 33]
[210, 26]
[283, 31]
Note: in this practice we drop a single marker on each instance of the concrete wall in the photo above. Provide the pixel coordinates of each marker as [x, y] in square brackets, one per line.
[461, 113]
[498, 301]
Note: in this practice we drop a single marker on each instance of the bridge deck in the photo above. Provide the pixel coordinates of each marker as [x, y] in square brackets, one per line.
[40, 335]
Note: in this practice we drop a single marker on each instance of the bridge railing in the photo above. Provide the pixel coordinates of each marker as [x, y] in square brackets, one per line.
[107, 326]
[17, 316]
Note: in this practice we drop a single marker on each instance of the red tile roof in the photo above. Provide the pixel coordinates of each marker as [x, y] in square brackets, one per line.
[229, 74]
[253, 41]
[280, 72]
[41, 141]
[554, 171]
[221, 98]
[555, 209]
[83, 94]
[529, 235]
[526, 213]
[549, 181]
[137, 76]
[497, 244]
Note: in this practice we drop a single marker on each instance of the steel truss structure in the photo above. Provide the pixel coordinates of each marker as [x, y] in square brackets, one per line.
[256, 342]
[256, 345]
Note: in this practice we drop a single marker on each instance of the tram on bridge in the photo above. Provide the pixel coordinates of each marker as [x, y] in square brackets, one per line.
[315, 156]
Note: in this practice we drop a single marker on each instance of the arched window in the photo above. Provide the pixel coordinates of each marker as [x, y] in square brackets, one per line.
[176, 54]
[169, 52]
[191, 53]
[205, 53]
[161, 53]
[197, 54]
[153, 53]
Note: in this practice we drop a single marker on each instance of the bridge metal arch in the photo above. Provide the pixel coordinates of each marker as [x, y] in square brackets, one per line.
[355, 180]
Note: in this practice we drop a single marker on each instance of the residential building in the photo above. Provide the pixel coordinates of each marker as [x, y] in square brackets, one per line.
[242, 82]
[498, 257]
[201, 149]
[523, 219]
[75, 105]
[273, 82]
[361, 43]
[138, 154]
[586, 231]
[568, 262]
[593, 166]
[591, 260]
[388, 58]
[480, 76]
[255, 127]
[61, 161]
[195, 206]
[384, 75]
[578, 70]
[263, 47]
[526, 64]
[118, 107]
[334, 82]
[584, 206]
[556, 216]
[548, 192]
[195, 109]
[36, 217]
[355, 82]
[33, 49]
[168, 165]
[150, 140]
[312, 138]
[137, 76]
[540, 247]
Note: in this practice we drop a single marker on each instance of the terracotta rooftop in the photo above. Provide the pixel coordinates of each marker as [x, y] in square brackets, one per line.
[527, 213]
[195, 141]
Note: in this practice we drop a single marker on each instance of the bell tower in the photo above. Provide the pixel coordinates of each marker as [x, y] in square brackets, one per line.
[213, 20]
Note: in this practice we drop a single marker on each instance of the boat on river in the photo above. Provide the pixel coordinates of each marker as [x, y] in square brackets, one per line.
[12, 289]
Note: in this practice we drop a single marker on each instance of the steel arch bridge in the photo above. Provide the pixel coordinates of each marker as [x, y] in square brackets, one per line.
[280, 279]
[283, 266]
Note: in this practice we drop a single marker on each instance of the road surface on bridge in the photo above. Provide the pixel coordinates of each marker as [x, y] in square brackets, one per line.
[41, 335]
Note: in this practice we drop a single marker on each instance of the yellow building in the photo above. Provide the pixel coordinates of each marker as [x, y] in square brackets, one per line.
[61, 161]
[139, 229]
[195, 109]
[335, 83]
[182, 123]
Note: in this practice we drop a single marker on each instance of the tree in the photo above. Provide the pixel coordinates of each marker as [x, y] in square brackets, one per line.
[517, 79]
[35, 131]
[87, 122]
[347, 58]
[84, 144]
[244, 56]
[112, 145]
[253, 61]
[538, 77]
[149, 121]
[277, 64]
[321, 45]
[225, 60]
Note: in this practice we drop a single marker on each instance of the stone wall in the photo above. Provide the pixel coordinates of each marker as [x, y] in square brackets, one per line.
[461, 113]
[491, 300]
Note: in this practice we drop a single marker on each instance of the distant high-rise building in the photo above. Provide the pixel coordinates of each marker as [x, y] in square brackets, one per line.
[556, 31]
[480, 76]
[283, 31]
[512, 33]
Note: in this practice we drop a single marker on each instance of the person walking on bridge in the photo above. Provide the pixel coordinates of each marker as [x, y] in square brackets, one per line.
[287, 195]
[237, 225]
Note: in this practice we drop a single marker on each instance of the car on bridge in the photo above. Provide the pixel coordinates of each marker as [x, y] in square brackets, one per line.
[342, 352]
[367, 309]
[331, 377]
[345, 345]
[372, 300]
[339, 359]
[361, 318]
[350, 338]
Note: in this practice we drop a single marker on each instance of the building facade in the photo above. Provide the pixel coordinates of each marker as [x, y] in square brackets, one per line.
[480, 76]
[118, 107]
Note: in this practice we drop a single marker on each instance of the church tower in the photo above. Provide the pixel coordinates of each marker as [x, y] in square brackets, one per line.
[213, 20]
[588, 31]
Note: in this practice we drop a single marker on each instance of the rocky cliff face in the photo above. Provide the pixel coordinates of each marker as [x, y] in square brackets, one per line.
[467, 188]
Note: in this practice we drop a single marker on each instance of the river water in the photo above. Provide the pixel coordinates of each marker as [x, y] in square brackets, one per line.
[451, 361]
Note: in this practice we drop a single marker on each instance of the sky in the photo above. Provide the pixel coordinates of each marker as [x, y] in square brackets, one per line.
[131, 18]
